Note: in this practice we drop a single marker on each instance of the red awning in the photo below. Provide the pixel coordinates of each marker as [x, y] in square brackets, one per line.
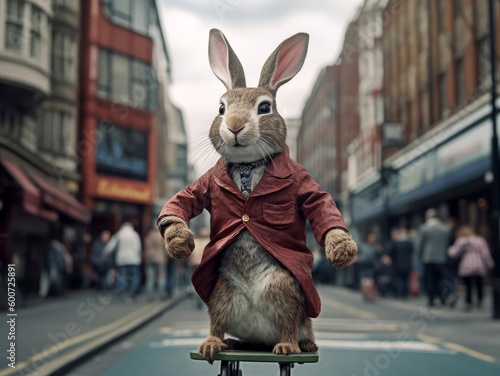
[61, 200]
[31, 194]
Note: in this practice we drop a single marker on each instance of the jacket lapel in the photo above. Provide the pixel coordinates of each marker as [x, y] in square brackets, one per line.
[276, 177]
[223, 180]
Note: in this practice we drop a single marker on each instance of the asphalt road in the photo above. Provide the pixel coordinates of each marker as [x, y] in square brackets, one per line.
[387, 338]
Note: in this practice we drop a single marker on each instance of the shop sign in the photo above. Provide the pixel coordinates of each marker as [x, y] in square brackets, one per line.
[123, 191]
[467, 149]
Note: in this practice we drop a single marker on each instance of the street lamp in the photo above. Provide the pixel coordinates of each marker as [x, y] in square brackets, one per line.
[495, 166]
[392, 135]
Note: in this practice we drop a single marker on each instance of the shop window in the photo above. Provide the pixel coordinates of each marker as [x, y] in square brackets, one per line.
[63, 59]
[14, 25]
[126, 80]
[37, 21]
[56, 131]
[122, 151]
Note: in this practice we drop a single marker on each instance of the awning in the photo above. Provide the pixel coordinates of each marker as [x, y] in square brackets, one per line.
[31, 195]
[60, 199]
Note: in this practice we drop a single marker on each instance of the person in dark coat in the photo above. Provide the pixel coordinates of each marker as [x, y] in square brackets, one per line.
[100, 265]
[401, 255]
[432, 246]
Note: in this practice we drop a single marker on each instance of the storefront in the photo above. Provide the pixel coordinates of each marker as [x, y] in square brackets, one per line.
[449, 171]
[33, 210]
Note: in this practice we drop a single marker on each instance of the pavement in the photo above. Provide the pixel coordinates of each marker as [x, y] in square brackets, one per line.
[88, 334]
[58, 333]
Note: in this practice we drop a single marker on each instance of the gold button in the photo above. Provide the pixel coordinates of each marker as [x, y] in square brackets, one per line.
[245, 218]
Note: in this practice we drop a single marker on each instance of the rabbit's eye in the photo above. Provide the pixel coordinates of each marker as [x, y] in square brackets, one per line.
[264, 108]
[222, 109]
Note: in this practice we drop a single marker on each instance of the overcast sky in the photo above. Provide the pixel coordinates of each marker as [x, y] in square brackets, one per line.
[254, 29]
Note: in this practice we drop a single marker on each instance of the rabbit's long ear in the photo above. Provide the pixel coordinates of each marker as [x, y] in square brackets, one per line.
[285, 62]
[224, 62]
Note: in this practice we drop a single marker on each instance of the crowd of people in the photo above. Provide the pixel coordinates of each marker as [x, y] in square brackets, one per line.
[437, 260]
[117, 261]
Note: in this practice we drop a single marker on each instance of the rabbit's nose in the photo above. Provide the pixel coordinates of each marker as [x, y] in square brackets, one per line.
[236, 131]
[235, 125]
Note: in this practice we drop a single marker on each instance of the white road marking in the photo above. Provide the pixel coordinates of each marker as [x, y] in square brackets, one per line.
[390, 346]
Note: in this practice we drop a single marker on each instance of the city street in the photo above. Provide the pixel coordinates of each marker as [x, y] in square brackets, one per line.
[387, 337]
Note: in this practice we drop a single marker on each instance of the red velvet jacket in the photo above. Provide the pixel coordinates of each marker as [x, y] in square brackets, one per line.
[275, 213]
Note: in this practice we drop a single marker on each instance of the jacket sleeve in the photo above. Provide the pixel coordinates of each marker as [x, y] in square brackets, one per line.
[189, 202]
[456, 249]
[485, 253]
[318, 207]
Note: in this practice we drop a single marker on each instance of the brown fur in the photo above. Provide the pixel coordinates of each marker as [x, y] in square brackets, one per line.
[285, 293]
[178, 238]
[340, 249]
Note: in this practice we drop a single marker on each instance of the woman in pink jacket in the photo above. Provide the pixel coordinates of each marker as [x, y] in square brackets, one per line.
[475, 262]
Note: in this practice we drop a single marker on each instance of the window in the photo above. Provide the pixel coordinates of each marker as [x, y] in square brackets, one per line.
[14, 25]
[140, 16]
[460, 81]
[132, 14]
[122, 151]
[37, 20]
[443, 96]
[126, 80]
[104, 79]
[10, 122]
[120, 76]
[483, 62]
[63, 62]
[441, 15]
[56, 131]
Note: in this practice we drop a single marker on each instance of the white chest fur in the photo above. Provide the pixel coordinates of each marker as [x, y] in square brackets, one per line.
[249, 268]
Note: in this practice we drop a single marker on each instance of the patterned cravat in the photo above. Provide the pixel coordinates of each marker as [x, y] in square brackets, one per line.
[245, 175]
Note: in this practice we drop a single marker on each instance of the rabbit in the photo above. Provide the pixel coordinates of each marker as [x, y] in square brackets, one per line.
[261, 292]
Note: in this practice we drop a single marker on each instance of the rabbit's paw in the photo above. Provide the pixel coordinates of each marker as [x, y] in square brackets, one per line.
[210, 347]
[285, 348]
[340, 248]
[308, 346]
[179, 239]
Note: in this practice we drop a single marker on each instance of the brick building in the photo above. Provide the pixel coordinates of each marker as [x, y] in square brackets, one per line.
[317, 136]
[128, 123]
[436, 80]
[39, 174]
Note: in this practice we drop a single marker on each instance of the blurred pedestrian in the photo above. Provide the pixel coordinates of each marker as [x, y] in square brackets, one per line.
[200, 242]
[155, 259]
[432, 246]
[126, 244]
[68, 265]
[99, 264]
[383, 270]
[366, 263]
[475, 262]
[450, 275]
[54, 269]
[401, 255]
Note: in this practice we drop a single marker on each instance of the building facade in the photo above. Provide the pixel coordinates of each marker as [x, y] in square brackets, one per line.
[126, 111]
[436, 82]
[317, 135]
[38, 137]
